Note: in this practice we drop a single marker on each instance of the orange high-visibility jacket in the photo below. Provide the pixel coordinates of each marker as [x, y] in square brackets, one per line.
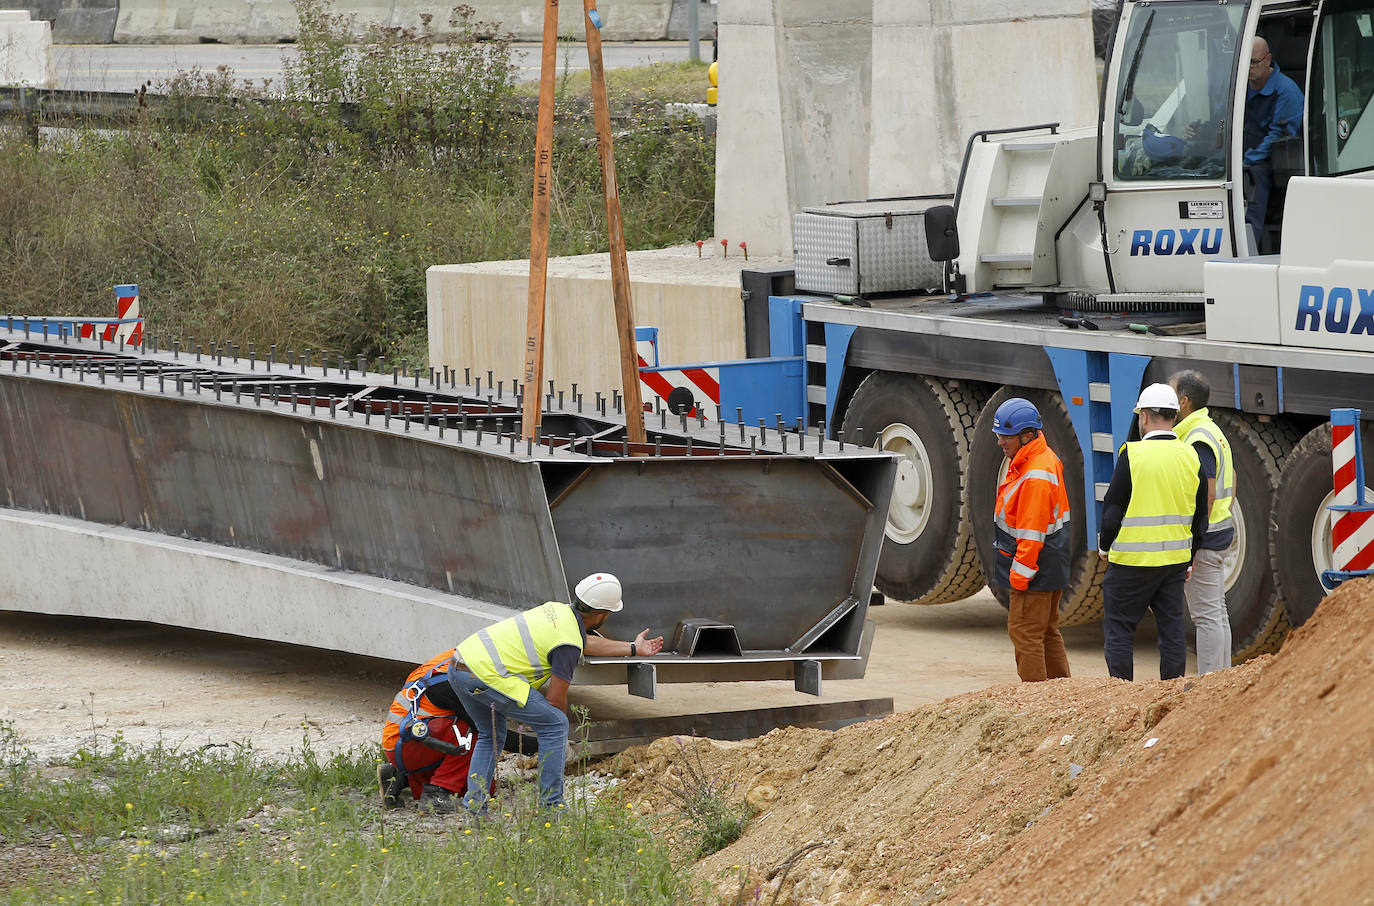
[400, 706]
[1032, 522]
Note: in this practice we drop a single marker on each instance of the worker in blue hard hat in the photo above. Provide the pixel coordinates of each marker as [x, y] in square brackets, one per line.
[1032, 541]
[1154, 518]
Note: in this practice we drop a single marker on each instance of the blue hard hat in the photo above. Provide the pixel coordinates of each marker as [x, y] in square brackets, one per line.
[1015, 416]
[1162, 147]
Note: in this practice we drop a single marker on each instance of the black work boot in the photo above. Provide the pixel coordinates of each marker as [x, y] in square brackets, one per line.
[437, 799]
[389, 786]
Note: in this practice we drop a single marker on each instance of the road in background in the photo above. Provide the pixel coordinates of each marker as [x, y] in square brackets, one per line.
[124, 67]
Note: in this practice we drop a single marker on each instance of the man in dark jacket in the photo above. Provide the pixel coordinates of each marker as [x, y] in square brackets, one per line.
[1154, 517]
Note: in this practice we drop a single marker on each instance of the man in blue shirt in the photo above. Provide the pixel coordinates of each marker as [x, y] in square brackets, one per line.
[1273, 110]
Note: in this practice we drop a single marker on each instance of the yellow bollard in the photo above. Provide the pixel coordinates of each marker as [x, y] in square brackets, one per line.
[713, 76]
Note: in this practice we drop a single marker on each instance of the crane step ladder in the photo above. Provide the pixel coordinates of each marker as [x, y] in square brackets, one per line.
[1011, 216]
[1352, 528]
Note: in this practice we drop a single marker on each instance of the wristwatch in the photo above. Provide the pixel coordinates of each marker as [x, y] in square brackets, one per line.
[634, 652]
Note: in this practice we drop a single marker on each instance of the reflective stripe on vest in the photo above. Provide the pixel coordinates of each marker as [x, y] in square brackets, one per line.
[1157, 527]
[1198, 426]
[512, 656]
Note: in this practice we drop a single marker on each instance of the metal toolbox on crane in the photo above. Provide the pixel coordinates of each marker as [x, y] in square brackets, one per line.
[865, 247]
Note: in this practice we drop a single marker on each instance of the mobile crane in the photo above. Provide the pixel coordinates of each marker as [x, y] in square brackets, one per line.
[1082, 264]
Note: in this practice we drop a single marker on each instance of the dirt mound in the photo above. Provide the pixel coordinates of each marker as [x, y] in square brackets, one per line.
[1257, 788]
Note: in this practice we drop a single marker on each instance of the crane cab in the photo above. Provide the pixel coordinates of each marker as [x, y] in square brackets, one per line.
[1177, 163]
[1123, 215]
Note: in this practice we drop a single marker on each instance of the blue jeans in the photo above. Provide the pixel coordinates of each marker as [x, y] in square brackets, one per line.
[489, 710]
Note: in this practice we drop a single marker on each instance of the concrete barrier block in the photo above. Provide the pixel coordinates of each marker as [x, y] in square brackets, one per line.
[706, 18]
[624, 20]
[477, 313]
[85, 26]
[26, 51]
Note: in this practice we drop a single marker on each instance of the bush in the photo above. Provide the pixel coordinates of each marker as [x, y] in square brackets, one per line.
[304, 214]
[705, 812]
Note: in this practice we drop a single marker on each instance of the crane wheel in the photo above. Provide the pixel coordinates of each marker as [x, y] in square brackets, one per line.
[1258, 622]
[1082, 600]
[1300, 543]
[928, 554]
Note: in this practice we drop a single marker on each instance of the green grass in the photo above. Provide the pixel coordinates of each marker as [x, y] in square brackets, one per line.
[121, 825]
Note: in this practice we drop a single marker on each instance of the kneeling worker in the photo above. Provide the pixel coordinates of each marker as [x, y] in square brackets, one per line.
[498, 673]
[428, 740]
[1032, 541]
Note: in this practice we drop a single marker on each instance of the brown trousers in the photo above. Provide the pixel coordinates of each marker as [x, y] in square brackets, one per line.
[1033, 624]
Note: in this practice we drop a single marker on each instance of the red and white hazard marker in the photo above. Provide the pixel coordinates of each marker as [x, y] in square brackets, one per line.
[1352, 531]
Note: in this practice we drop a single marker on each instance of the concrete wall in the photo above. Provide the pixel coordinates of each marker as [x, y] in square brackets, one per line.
[57, 565]
[477, 314]
[25, 51]
[793, 119]
[873, 98]
[268, 21]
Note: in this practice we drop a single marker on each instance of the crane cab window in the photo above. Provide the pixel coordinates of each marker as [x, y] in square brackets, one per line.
[1174, 92]
[1340, 128]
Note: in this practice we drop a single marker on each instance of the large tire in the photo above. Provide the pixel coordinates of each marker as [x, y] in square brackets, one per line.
[1300, 524]
[928, 555]
[1082, 600]
[1258, 621]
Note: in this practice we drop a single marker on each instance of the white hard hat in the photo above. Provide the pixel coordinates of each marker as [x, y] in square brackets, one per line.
[1157, 396]
[600, 591]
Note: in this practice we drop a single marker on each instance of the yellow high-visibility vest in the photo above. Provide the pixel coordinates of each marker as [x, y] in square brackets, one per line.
[1198, 426]
[512, 656]
[1157, 528]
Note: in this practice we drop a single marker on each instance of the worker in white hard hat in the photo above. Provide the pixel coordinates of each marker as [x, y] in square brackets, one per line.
[521, 668]
[1154, 517]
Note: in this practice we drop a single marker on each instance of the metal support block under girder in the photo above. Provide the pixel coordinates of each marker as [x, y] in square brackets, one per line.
[807, 677]
[642, 680]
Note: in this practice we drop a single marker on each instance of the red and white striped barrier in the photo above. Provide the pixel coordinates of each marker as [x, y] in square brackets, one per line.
[1352, 525]
[126, 309]
[682, 390]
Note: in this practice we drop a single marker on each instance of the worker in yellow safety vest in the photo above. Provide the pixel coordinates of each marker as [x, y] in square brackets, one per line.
[499, 672]
[1206, 587]
[1154, 516]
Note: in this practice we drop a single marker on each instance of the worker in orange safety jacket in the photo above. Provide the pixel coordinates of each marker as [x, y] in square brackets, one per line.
[428, 740]
[1032, 541]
